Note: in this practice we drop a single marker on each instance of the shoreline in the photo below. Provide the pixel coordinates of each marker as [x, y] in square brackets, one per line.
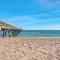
[29, 37]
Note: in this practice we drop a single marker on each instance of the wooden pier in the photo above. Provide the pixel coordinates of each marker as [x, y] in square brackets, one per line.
[8, 30]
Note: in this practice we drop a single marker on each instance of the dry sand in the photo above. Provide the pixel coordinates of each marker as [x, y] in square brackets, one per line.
[29, 48]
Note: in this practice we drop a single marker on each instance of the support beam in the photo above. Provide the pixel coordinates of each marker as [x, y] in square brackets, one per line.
[12, 32]
[9, 32]
[3, 33]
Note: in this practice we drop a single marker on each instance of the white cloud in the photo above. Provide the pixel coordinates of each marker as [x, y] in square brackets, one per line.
[24, 20]
[42, 15]
[49, 4]
[29, 22]
[56, 27]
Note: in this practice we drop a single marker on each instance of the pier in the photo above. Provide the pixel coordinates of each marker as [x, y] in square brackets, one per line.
[8, 30]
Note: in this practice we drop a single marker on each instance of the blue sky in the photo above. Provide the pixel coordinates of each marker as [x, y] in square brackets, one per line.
[31, 14]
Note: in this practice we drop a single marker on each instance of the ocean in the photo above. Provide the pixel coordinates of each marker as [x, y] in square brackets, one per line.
[37, 33]
[40, 33]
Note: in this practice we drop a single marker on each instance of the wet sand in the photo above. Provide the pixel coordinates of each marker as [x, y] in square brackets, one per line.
[29, 48]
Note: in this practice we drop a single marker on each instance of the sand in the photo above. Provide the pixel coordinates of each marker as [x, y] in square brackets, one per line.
[29, 48]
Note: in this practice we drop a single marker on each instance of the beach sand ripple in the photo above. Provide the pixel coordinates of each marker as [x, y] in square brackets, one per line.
[29, 48]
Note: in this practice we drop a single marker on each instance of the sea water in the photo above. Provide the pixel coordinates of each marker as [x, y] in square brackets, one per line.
[37, 33]
[40, 33]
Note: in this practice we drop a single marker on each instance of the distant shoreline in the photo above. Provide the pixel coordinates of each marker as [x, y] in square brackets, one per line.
[29, 37]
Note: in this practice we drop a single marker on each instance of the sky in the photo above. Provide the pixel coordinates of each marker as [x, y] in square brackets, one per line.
[31, 14]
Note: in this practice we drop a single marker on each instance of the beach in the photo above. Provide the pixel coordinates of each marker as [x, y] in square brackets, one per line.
[30, 48]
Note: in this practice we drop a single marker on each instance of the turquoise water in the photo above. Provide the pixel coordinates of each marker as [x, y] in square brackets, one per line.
[1, 33]
[40, 33]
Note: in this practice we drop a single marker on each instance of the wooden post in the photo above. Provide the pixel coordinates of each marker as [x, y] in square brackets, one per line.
[3, 33]
[9, 33]
[12, 32]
